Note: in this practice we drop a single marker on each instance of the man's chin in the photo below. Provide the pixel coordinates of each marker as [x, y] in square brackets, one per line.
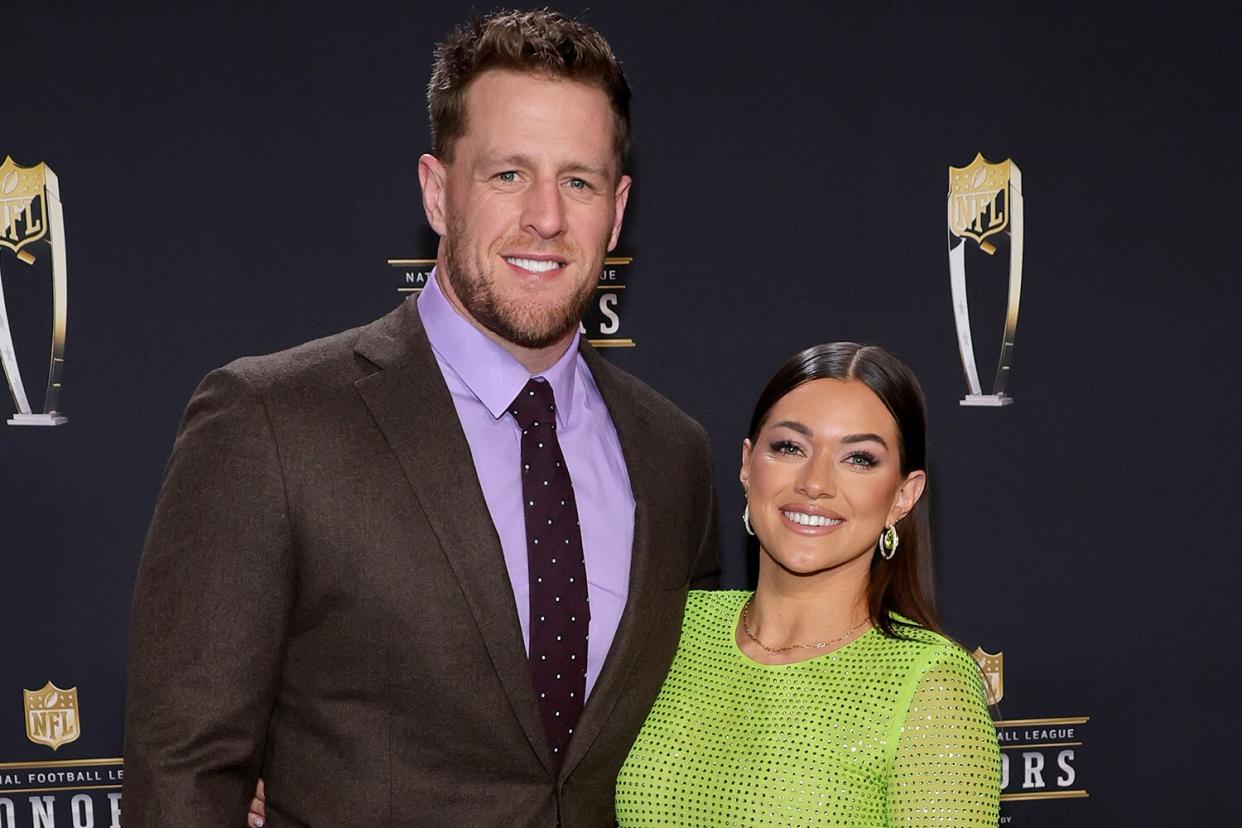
[532, 334]
[532, 319]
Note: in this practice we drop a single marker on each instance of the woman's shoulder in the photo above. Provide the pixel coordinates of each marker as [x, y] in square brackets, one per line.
[714, 602]
[918, 645]
[709, 610]
[927, 651]
[917, 637]
[709, 617]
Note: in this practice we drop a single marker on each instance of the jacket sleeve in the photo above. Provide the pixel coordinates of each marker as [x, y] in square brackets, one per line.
[210, 615]
[946, 768]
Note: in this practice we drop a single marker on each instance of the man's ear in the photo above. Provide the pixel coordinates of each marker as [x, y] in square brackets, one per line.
[432, 176]
[622, 197]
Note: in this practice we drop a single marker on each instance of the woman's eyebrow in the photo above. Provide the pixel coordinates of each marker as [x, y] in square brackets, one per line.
[863, 438]
[793, 425]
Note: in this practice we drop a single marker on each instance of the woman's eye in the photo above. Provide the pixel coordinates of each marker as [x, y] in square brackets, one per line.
[861, 459]
[786, 447]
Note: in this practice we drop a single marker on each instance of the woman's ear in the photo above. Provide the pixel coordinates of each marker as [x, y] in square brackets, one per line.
[744, 473]
[908, 495]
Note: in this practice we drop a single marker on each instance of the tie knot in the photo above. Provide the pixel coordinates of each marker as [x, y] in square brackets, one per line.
[535, 404]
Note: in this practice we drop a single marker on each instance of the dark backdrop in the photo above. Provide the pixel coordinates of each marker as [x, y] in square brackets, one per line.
[235, 178]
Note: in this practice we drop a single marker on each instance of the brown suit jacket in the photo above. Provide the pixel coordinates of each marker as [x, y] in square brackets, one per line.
[322, 600]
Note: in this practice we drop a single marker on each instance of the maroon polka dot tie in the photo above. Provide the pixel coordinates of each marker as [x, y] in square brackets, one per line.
[559, 612]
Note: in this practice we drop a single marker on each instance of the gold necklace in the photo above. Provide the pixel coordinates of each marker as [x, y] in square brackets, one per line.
[819, 645]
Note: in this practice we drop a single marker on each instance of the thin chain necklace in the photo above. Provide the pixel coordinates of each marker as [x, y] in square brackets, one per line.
[819, 645]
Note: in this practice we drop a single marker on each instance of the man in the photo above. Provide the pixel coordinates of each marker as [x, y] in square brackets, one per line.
[431, 571]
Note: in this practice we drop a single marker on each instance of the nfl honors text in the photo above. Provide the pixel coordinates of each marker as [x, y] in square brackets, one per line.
[79, 795]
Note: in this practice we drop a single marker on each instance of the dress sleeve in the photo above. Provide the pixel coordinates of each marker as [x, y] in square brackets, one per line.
[946, 766]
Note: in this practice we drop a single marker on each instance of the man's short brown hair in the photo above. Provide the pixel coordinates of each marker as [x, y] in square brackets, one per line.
[540, 42]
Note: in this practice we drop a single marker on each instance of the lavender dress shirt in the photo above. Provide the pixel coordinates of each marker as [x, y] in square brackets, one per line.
[483, 379]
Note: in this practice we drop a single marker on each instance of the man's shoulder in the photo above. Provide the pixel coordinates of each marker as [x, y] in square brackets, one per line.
[304, 363]
[333, 360]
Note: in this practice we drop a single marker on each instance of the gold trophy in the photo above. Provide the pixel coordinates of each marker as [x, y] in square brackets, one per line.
[985, 201]
[30, 212]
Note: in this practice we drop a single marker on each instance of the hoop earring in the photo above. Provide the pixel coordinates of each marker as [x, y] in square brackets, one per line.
[746, 520]
[888, 542]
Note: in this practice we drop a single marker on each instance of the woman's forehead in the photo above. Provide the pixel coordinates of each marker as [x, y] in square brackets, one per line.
[833, 406]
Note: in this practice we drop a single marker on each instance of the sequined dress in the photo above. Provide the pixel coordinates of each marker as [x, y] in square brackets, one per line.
[880, 732]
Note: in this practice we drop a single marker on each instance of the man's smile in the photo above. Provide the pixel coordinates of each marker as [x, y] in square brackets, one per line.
[531, 264]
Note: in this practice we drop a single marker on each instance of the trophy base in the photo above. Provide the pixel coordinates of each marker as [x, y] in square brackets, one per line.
[986, 400]
[52, 419]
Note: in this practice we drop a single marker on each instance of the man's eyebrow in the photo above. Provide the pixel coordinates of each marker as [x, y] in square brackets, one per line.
[863, 438]
[588, 169]
[793, 425]
[518, 160]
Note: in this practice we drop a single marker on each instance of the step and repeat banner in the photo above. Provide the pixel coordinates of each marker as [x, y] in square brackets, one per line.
[1033, 206]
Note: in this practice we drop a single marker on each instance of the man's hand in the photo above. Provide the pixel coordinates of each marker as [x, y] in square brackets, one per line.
[258, 814]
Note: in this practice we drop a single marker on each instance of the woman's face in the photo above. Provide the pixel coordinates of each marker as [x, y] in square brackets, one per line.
[824, 479]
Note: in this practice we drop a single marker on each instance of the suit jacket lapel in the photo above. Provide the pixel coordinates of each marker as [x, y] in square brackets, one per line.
[634, 425]
[413, 408]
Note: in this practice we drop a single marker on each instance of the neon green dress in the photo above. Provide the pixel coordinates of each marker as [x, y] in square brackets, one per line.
[880, 732]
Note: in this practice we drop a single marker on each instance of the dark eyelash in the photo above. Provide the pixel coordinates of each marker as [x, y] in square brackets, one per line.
[783, 446]
[865, 455]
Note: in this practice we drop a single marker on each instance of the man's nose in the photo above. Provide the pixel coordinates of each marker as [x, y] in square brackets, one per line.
[543, 211]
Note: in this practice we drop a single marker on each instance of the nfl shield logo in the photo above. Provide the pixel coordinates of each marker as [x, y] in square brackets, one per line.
[993, 667]
[52, 715]
[979, 199]
[23, 205]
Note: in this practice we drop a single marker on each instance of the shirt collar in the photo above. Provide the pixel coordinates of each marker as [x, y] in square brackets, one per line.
[491, 373]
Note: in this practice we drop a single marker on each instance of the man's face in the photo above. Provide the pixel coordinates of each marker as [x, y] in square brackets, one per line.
[528, 206]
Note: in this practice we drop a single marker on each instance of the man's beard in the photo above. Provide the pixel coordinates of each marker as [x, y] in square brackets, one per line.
[529, 326]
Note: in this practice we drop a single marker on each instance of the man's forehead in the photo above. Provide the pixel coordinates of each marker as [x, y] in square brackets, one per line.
[511, 113]
[503, 93]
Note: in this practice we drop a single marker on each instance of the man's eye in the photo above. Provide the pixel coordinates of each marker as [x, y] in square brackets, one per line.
[508, 177]
[578, 184]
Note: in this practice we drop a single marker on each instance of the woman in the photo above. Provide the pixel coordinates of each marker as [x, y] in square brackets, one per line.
[828, 696]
